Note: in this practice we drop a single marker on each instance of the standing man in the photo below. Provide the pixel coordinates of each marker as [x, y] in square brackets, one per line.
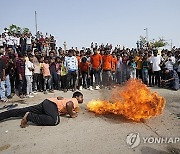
[20, 65]
[2, 76]
[155, 62]
[96, 63]
[107, 61]
[71, 64]
[6, 85]
[23, 44]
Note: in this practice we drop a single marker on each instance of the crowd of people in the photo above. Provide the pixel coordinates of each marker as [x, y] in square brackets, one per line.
[34, 64]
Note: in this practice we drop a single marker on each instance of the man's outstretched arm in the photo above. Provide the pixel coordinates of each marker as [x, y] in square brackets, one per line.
[69, 108]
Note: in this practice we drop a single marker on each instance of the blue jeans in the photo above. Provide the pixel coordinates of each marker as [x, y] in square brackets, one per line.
[47, 80]
[145, 75]
[96, 73]
[5, 88]
[85, 78]
[54, 80]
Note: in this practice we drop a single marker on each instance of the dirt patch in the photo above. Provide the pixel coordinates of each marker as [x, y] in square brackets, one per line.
[4, 147]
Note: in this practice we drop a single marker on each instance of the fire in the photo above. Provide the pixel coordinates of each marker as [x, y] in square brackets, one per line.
[134, 101]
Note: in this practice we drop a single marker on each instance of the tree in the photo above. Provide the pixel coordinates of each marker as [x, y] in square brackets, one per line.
[25, 30]
[16, 29]
[160, 43]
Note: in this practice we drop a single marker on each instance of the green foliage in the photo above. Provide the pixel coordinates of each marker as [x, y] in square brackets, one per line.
[159, 43]
[25, 30]
[16, 29]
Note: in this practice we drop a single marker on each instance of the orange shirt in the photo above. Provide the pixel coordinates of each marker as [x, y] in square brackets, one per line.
[84, 66]
[114, 64]
[96, 60]
[61, 104]
[107, 62]
[45, 69]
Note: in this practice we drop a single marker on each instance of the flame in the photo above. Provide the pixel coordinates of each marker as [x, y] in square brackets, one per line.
[134, 101]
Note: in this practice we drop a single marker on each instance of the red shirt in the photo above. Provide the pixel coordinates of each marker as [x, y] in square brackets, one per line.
[84, 66]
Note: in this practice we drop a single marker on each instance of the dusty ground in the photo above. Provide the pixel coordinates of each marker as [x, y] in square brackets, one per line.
[89, 133]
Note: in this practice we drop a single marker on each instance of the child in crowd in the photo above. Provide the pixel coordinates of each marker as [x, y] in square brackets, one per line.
[29, 68]
[84, 73]
[41, 80]
[63, 76]
[46, 74]
[58, 70]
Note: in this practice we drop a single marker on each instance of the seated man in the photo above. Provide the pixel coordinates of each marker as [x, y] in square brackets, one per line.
[46, 113]
[172, 79]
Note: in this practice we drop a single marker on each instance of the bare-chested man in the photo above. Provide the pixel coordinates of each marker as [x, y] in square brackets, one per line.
[46, 113]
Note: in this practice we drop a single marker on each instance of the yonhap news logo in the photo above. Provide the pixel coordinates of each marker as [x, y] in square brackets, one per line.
[133, 140]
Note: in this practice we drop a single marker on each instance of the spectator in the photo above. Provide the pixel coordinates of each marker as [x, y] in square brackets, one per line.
[63, 76]
[172, 79]
[20, 64]
[71, 64]
[114, 67]
[132, 68]
[170, 61]
[36, 74]
[29, 68]
[84, 71]
[2, 77]
[58, 70]
[155, 62]
[96, 62]
[145, 66]
[107, 61]
[23, 44]
[46, 75]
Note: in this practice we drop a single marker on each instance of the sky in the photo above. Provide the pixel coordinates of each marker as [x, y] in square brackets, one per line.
[80, 22]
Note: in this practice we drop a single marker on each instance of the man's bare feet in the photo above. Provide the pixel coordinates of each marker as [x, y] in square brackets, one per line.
[24, 120]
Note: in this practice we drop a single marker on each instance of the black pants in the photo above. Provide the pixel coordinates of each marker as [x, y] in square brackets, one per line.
[63, 81]
[157, 77]
[139, 73]
[22, 86]
[36, 82]
[43, 114]
[71, 76]
[151, 77]
[12, 81]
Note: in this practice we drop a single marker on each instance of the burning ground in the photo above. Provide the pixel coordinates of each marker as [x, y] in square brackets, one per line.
[134, 101]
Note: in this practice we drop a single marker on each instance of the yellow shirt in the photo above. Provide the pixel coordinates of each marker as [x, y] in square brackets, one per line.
[138, 61]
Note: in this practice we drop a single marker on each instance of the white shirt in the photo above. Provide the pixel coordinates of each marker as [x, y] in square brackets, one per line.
[169, 64]
[28, 65]
[1, 41]
[71, 63]
[155, 61]
[17, 41]
[28, 40]
[10, 40]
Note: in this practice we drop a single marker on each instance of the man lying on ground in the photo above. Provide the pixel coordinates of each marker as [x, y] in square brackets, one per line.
[46, 113]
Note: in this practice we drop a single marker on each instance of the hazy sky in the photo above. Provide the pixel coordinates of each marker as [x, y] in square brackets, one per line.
[79, 22]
